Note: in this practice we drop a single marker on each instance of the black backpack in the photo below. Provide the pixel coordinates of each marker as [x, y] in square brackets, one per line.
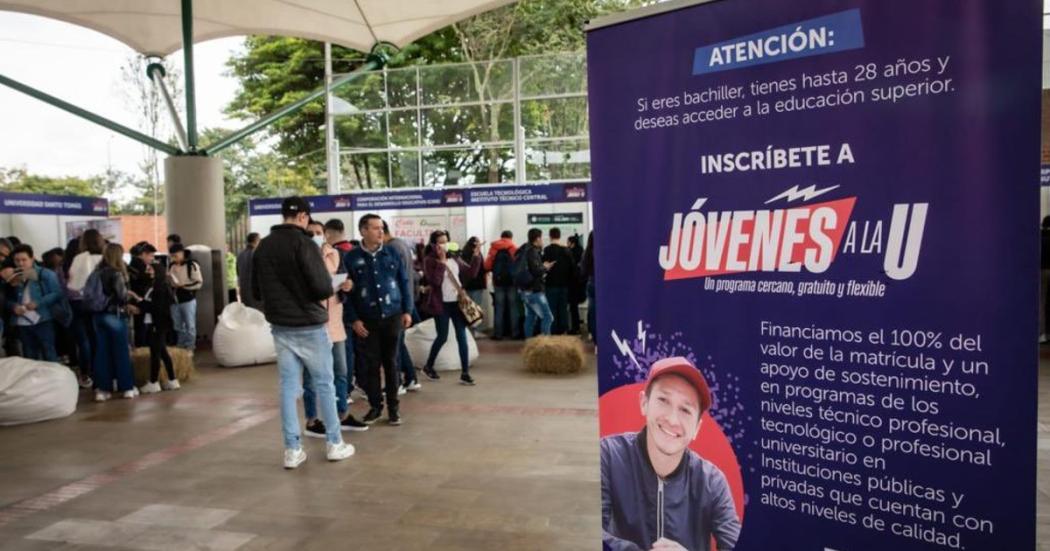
[522, 275]
[502, 275]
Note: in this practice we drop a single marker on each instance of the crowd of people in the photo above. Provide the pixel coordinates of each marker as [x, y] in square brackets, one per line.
[85, 307]
[338, 310]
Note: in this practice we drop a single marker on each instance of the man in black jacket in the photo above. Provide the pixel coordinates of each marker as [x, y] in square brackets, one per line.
[529, 271]
[290, 278]
[560, 278]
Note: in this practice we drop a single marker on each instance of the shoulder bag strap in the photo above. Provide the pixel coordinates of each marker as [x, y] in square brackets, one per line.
[453, 278]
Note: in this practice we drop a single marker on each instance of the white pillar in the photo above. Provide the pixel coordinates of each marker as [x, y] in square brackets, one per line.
[195, 204]
[195, 208]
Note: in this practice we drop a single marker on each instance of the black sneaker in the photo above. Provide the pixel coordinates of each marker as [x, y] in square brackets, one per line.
[394, 418]
[352, 424]
[372, 415]
[465, 379]
[430, 373]
[315, 429]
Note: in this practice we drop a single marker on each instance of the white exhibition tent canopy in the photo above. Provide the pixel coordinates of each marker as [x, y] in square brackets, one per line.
[161, 27]
[154, 27]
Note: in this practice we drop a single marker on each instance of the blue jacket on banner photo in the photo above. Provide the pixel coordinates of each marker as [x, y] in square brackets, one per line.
[381, 287]
[689, 506]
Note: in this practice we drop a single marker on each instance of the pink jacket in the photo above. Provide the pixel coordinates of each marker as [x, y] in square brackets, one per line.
[336, 331]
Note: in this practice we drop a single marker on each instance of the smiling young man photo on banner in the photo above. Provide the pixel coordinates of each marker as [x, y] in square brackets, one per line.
[656, 492]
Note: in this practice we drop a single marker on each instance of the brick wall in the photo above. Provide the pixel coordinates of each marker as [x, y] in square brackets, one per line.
[141, 228]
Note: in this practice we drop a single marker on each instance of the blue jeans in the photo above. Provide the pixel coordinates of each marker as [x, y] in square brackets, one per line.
[503, 306]
[558, 299]
[309, 348]
[450, 312]
[38, 341]
[536, 307]
[341, 383]
[184, 314]
[111, 352]
[592, 316]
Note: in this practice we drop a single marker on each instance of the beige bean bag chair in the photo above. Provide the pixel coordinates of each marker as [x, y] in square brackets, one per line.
[419, 337]
[242, 337]
[32, 391]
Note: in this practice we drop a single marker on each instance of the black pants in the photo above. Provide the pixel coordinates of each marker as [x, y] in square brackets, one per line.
[138, 325]
[380, 350]
[158, 351]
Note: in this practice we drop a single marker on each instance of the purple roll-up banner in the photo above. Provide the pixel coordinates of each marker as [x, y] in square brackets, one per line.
[817, 260]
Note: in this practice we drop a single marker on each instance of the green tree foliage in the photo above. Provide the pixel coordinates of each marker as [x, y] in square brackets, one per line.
[250, 171]
[275, 71]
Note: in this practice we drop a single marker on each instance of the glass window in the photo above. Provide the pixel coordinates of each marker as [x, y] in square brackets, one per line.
[557, 160]
[554, 118]
[477, 165]
[401, 86]
[363, 171]
[404, 168]
[364, 92]
[467, 82]
[471, 124]
[361, 130]
[553, 74]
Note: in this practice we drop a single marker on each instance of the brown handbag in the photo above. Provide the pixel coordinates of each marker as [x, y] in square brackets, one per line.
[470, 309]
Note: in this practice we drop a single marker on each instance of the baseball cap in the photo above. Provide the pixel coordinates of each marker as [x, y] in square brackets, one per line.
[292, 206]
[682, 367]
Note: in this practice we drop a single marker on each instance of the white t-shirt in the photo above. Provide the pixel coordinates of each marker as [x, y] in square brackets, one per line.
[448, 289]
[83, 264]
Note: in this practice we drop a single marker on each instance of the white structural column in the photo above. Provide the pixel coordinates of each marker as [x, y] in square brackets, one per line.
[195, 208]
[195, 204]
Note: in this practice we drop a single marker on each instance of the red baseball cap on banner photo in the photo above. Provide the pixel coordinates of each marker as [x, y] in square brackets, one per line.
[682, 367]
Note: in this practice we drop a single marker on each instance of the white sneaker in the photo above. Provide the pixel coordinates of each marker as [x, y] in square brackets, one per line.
[337, 452]
[86, 382]
[349, 400]
[170, 385]
[150, 388]
[413, 386]
[401, 390]
[129, 394]
[102, 396]
[294, 458]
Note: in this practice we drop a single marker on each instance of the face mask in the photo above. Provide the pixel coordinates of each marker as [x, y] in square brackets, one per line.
[319, 239]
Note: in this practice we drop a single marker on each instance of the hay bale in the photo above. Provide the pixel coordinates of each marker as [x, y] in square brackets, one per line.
[181, 360]
[557, 355]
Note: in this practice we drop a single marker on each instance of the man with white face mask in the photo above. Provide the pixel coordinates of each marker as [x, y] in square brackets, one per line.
[655, 466]
[337, 333]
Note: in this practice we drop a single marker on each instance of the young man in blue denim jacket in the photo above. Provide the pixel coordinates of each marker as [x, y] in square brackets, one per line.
[36, 289]
[379, 309]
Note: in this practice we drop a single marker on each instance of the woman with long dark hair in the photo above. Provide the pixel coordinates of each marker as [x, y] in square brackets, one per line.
[82, 261]
[156, 308]
[112, 356]
[443, 274]
[474, 285]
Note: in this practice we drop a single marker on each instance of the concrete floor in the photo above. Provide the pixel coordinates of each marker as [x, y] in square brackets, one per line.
[509, 464]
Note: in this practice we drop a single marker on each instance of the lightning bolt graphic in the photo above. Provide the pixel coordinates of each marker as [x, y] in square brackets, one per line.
[641, 336]
[625, 349]
[806, 194]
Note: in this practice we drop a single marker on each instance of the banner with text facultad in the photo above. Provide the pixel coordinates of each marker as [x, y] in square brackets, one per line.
[817, 239]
